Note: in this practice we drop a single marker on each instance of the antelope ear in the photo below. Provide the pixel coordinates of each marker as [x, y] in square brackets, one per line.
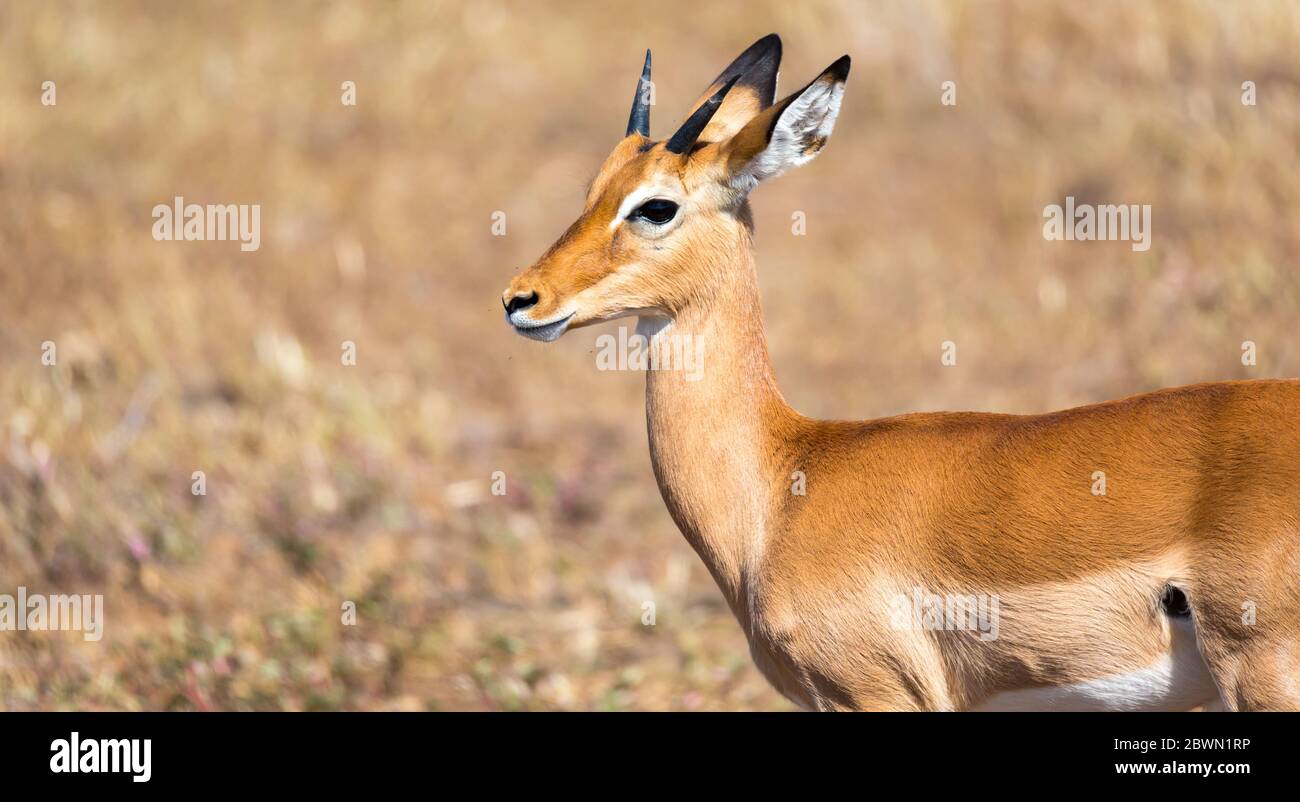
[755, 73]
[788, 134]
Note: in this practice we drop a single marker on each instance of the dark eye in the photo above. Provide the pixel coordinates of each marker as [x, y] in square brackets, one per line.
[657, 211]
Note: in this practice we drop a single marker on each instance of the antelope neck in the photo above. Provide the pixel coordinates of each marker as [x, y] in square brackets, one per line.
[712, 438]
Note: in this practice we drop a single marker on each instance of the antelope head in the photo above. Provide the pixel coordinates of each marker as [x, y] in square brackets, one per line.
[659, 212]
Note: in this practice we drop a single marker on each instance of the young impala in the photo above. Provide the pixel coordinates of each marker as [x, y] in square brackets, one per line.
[1132, 555]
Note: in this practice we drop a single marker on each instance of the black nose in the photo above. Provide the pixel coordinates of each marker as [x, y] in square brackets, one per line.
[521, 302]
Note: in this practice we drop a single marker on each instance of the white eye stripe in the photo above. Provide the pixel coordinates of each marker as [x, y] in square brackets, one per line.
[634, 199]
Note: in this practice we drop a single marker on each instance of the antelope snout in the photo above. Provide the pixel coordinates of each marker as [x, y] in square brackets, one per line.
[529, 311]
[515, 300]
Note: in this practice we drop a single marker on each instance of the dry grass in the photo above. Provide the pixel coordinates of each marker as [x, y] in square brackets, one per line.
[370, 483]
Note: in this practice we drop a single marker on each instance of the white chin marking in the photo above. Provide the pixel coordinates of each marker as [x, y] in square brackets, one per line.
[546, 332]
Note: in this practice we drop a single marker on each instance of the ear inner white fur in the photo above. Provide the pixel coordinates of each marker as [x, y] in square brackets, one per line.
[799, 134]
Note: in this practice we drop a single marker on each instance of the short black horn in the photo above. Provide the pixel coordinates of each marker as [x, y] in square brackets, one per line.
[695, 124]
[639, 121]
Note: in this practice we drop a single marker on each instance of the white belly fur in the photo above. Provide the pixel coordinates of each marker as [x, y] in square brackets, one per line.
[1179, 680]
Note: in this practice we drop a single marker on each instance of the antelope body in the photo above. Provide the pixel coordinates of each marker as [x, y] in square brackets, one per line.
[1178, 586]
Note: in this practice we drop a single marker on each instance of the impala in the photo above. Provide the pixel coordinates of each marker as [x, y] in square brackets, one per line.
[1176, 586]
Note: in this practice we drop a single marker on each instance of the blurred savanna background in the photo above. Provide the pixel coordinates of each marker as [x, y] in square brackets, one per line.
[371, 483]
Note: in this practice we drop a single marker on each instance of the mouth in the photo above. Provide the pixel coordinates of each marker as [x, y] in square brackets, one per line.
[546, 332]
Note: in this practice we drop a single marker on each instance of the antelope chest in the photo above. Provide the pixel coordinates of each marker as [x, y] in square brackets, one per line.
[842, 656]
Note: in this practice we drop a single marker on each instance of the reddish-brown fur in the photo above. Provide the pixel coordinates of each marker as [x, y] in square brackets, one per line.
[1202, 485]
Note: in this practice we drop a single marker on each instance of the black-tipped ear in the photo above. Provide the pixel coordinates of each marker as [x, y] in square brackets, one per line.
[638, 122]
[756, 69]
[789, 133]
[840, 69]
[694, 125]
[754, 72]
